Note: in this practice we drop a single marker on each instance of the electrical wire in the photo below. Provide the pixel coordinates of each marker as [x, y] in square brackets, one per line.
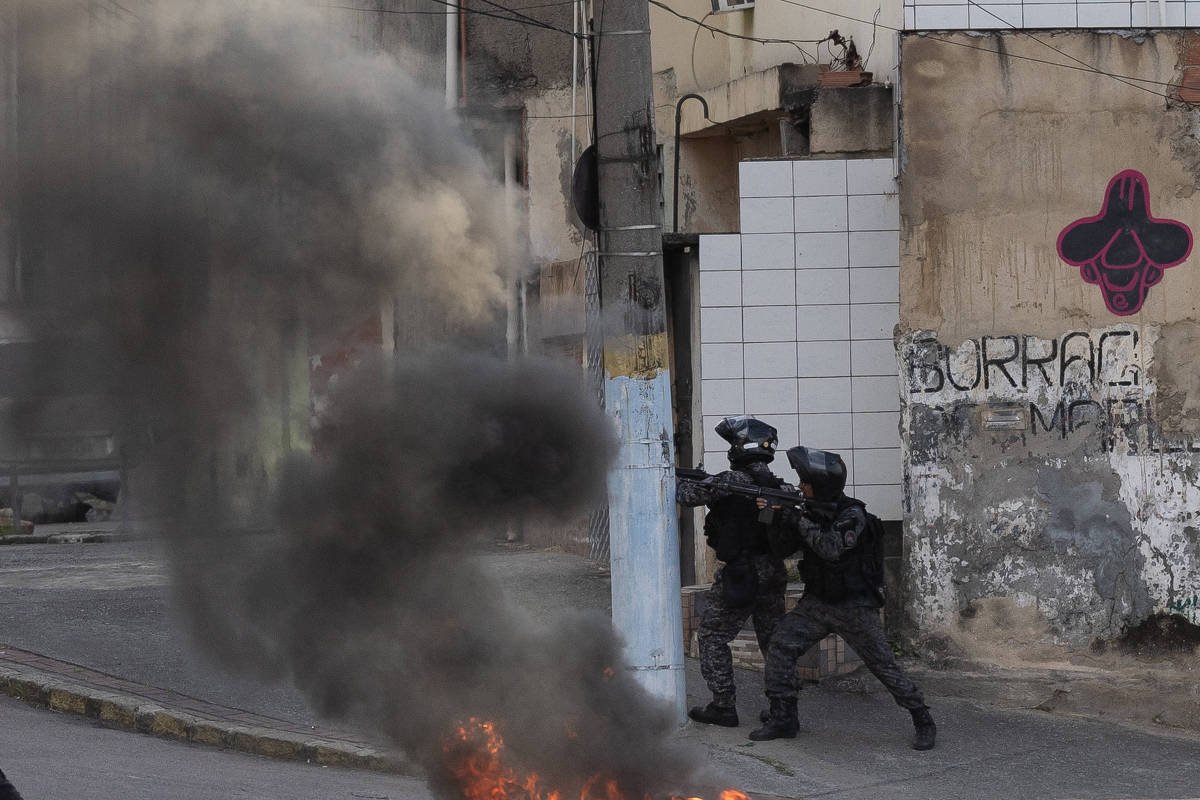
[516, 13]
[419, 13]
[527, 21]
[1060, 52]
[695, 39]
[794, 42]
[874, 30]
[1089, 68]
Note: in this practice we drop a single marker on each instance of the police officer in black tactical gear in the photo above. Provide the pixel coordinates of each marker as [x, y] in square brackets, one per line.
[843, 592]
[753, 579]
[7, 790]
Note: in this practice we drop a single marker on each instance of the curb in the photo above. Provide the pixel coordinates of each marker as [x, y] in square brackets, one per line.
[1151, 700]
[66, 538]
[134, 714]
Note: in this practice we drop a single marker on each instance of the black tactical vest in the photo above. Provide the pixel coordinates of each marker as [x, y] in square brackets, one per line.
[856, 578]
[732, 527]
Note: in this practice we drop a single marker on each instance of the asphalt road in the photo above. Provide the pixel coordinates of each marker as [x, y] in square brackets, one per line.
[108, 606]
[49, 756]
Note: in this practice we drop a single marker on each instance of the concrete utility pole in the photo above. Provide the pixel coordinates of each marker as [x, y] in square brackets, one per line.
[644, 530]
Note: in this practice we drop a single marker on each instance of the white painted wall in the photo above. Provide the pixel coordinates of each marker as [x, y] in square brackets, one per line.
[797, 316]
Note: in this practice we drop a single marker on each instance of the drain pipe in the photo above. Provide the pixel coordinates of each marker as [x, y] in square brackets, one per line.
[675, 190]
[452, 36]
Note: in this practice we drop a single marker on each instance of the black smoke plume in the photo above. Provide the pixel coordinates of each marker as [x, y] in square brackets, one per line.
[204, 193]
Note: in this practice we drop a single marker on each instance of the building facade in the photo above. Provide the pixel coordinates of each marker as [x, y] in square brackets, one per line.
[1048, 330]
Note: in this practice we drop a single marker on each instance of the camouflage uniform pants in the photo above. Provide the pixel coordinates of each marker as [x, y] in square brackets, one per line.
[810, 622]
[720, 624]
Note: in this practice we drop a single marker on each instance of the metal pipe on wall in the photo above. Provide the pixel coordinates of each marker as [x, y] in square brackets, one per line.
[452, 55]
[675, 177]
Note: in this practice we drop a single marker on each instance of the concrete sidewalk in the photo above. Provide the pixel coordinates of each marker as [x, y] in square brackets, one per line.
[71, 533]
[74, 689]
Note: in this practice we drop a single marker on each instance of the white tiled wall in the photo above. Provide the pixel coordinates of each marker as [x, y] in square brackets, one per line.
[977, 15]
[797, 313]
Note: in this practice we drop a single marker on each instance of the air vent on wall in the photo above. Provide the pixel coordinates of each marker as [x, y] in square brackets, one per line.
[721, 6]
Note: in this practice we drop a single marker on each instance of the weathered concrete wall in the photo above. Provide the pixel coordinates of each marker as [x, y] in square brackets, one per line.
[404, 29]
[705, 60]
[1052, 467]
[509, 61]
[8, 152]
[856, 120]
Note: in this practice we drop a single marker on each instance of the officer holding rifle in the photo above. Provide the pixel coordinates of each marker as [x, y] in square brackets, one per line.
[842, 569]
[752, 580]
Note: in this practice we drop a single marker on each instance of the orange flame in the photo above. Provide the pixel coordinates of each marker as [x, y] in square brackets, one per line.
[474, 755]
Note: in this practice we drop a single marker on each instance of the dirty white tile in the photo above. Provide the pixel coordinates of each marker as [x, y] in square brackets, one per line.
[875, 394]
[819, 177]
[788, 428]
[873, 320]
[769, 287]
[1053, 15]
[720, 325]
[770, 359]
[721, 361]
[768, 251]
[986, 16]
[715, 460]
[874, 212]
[823, 359]
[720, 288]
[723, 397]
[878, 465]
[769, 323]
[767, 215]
[1191, 13]
[874, 285]
[873, 357]
[910, 18]
[875, 248]
[826, 431]
[817, 214]
[820, 287]
[765, 179]
[1175, 16]
[828, 395]
[713, 442]
[822, 323]
[771, 396]
[884, 501]
[870, 176]
[1104, 15]
[939, 18]
[877, 429]
[821, 250]
[720, 251]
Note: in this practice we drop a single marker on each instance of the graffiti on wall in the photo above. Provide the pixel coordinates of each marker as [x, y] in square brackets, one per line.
[999, 363]
[1124, 249]
[1080, 384]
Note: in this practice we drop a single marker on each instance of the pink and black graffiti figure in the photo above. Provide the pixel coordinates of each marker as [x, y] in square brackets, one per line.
[1123, 249]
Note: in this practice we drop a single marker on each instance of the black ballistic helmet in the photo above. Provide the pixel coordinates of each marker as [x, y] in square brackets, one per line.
[750, 439]
[825, 472]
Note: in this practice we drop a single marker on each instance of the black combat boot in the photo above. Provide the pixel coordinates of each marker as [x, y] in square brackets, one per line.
[721, 711]
[783, 723]
[926, 730]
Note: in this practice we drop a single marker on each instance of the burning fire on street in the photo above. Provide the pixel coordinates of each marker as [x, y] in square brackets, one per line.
[475, 758]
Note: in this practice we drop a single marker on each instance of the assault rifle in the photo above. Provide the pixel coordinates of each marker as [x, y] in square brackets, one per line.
[792, 497]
